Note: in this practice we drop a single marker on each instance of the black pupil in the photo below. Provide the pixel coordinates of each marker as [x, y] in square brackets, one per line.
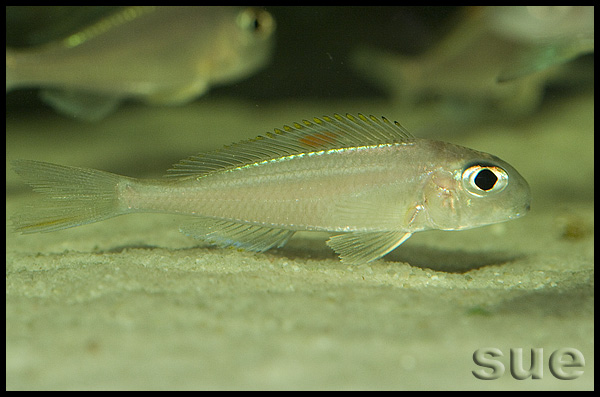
[485, 179]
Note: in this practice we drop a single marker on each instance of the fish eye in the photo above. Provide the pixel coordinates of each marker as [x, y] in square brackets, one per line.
[481, 179]
[256, 21]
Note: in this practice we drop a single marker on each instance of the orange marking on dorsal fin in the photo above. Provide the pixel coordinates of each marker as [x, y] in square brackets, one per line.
[319, 139]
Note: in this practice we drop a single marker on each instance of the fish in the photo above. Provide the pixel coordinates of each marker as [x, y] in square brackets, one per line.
[495, 63]
[364, 179]
[159, 55]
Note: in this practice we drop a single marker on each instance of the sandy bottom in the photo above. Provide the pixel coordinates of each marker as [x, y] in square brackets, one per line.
[131, 303]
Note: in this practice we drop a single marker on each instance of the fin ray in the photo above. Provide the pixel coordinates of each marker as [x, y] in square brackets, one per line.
[324, 133]
[363, 247]
[225, 233]
[73, 196]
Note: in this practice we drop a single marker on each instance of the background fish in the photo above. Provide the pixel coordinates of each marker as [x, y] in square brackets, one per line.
[495, 62]
[161, 55]
[361, 176]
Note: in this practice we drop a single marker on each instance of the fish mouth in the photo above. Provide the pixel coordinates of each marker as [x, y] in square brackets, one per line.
[521, 213]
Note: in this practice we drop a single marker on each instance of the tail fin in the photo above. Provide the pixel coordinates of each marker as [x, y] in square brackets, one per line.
[73, 196]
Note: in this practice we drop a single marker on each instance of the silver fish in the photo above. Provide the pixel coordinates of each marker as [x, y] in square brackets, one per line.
[161, 55]
[365, 179]
[497, 61]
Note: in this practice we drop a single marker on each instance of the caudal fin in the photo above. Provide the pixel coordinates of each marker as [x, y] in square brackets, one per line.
[72, 196]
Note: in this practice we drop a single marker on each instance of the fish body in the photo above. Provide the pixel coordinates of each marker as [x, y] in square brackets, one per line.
[363, 177]
[161, 55]
[497, 61]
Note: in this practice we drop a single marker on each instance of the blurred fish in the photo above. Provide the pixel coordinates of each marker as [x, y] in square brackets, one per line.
[363, 178]
[496, 61]
[551, 35]
[161, 55]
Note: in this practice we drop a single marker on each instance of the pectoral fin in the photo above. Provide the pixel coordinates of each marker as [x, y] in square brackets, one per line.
[544, 56]
[362, 247]
[231, 234]
[81, 105]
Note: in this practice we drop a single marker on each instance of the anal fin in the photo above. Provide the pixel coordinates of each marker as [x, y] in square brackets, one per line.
[232, 234]
[362, 247]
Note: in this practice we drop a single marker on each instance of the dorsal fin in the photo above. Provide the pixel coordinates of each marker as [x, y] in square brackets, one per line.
[103, 25]
[324, 133]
